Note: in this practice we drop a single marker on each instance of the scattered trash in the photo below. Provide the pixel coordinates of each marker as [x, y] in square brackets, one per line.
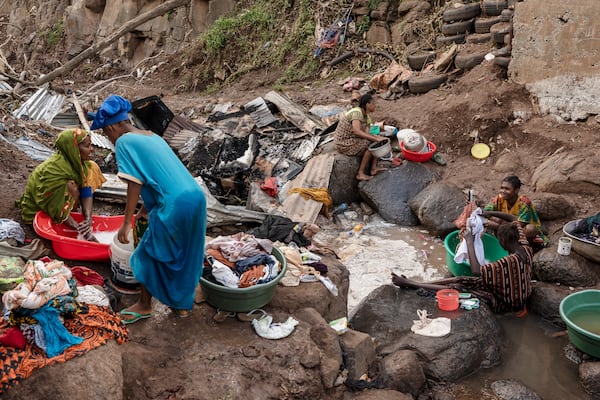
[266, 328]
[425, 326]
[339, 325]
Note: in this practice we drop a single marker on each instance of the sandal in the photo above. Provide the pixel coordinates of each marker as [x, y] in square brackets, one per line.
[251, 315]
[221, 315]
[438, 159]
[181, 313]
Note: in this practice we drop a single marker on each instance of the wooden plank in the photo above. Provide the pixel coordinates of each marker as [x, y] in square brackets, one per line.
[295, 114]
[80, 113]
[316, 174]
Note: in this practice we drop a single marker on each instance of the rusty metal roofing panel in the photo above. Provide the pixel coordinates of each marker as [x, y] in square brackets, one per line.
[42, 106]
[179, 124]
[316, 174]
[261, 113]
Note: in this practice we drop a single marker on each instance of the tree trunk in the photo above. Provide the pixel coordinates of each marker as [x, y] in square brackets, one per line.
[127, 27]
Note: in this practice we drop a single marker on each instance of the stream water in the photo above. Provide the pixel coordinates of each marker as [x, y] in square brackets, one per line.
[530, 354]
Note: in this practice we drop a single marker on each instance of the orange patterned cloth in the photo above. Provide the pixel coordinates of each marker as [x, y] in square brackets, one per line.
[96, 327]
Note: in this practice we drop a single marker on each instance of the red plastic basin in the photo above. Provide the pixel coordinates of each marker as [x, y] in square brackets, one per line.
[418, 157]
[64, 238]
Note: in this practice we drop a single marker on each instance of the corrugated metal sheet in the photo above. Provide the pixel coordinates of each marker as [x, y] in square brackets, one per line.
[316, 174]
[66, 120]
[102, 141]
[306, 148]
[179, 124]
[42, 106]
[261, 114]
[5, 86]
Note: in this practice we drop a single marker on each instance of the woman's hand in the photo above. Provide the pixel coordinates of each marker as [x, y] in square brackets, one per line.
[123, 234]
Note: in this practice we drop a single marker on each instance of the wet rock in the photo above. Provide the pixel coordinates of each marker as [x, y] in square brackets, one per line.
[388, 312]
[545, 300]
[571, 270]
[391, 191]
[513, 389]
[589, 375]
[343, 186]
[402, 371]
[437, 206]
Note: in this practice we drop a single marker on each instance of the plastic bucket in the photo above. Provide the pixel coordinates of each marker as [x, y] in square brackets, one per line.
[120, 268]
[581, 313]
[381, 149]
[447, 299]
[491, 248]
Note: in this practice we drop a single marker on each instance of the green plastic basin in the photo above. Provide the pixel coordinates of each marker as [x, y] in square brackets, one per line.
[587, 301]
[243, 299]
[491, 247]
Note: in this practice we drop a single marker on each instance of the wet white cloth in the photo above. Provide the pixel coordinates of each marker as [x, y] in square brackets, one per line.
[265, 327]
[475, 225]
[436, 327]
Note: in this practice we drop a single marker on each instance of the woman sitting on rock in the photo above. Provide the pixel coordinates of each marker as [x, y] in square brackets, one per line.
[504, 284]
[510, 201]
[352, 136]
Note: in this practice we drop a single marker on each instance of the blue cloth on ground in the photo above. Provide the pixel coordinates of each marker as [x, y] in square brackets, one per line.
[58, 338]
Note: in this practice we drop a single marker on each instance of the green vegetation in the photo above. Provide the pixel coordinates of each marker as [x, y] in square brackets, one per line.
[54, 33]
[275, 35]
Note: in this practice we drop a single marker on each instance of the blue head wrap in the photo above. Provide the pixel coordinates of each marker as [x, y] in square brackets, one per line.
[114, 109]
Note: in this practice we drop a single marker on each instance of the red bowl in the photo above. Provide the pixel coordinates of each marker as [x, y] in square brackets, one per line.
[418, 157]
[64, 238]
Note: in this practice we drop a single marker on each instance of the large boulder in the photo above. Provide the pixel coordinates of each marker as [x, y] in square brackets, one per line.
[315, 295]
[545, 301]
[437, 206]
[388, 312]
[509, 389]
[568, 173]
[97, 374]
[551, 206]
[571, 270]
[391, 191]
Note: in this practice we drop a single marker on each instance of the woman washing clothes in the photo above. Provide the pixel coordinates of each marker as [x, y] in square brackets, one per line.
[64, 182]
[510, 201]
[505, 285]
[169, 256]
[352, 136]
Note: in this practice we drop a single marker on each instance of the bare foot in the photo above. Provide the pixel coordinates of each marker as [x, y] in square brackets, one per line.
[363, 177]
[378, 170]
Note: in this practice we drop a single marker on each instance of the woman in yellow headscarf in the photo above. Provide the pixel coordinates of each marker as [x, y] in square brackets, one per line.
[63, 182]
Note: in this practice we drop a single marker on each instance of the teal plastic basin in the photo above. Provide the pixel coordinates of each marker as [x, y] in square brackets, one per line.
[491, 247]
[243, 299]
[587, 301]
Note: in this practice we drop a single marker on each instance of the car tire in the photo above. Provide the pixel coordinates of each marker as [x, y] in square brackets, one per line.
[418, 60]
[466, 61]
[462, 13]
[483, 24]
[425, 83]
[442, 41]
[458, 27]
[493, 7]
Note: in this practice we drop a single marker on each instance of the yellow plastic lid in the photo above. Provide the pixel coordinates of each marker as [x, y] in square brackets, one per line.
[480, 151]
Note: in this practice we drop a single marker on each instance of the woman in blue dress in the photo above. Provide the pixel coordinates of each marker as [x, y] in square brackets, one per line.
[168, 259]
